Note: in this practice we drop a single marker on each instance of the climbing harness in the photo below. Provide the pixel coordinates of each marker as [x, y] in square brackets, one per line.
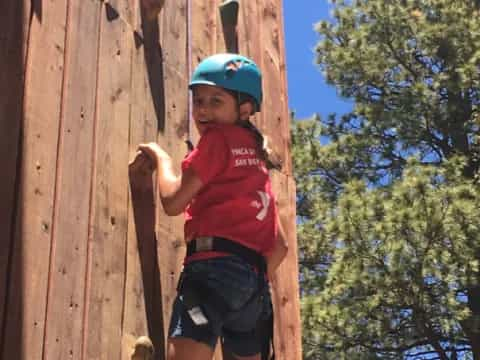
[194, 292]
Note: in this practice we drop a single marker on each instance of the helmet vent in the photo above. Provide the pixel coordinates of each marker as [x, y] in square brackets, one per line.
[234, 65]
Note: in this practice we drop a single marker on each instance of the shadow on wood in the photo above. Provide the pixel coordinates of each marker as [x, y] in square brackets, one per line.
[37, 9]
[229, 16]
[11, 127]
[154, 62]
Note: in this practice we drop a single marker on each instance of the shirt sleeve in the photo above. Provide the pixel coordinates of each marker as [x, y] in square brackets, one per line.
[210, 157]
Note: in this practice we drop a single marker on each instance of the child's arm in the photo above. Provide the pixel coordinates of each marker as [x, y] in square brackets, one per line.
[175, 191]
[279, 252]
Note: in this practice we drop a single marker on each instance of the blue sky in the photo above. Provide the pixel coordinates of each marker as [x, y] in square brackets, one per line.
[307, 91]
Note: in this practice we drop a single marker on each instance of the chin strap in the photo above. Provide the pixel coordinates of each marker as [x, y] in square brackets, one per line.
[190, 146]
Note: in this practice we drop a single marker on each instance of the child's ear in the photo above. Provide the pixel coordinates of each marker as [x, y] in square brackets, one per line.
[246, 109]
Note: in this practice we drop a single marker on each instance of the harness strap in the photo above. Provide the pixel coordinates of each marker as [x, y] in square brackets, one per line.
[215, 243]
[264, 329]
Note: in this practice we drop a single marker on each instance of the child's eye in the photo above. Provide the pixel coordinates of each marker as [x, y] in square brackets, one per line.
[216, 100]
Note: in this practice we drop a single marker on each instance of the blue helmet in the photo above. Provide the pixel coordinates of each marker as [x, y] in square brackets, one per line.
[232, 72]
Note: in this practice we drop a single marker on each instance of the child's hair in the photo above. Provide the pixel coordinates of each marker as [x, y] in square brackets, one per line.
[265, 152]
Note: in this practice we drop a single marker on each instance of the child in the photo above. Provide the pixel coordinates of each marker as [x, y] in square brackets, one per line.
[232, 229]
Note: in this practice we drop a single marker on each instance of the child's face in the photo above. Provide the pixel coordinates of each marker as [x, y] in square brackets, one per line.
[213, 105]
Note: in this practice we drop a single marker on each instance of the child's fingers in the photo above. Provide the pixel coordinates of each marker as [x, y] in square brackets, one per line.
[154, 151]
[151, 151]
[147, 150]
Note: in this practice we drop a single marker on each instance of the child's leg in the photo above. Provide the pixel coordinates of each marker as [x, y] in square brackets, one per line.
[187, 349]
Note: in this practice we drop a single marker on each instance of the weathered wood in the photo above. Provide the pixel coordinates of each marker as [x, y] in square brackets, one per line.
[275, 124]
[207, 38]
[285, 122]
[205, 35]
[229, 20]
[204, 24]
[275, 117]
[285, 286]
[27, 300]
[150, 291]
[13, 39]
[225, 40]
[261, 36]
[65, 310]
[94, 277]
[250, 31]
[170, 245]
[143, 313]
[107, 248]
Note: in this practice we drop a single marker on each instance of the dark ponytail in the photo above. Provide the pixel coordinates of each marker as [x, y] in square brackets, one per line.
[266, 154]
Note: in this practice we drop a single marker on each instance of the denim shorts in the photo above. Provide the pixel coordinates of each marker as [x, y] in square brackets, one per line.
[241, 288]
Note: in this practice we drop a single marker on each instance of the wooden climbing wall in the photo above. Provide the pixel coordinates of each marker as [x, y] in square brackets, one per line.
[81, 84]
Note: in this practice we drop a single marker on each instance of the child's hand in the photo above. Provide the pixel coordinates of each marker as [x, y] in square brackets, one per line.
[154, 153]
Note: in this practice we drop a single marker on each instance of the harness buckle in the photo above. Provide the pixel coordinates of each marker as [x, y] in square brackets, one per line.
[204, 243]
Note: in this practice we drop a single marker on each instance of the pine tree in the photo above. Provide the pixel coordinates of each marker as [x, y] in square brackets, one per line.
[388, 196]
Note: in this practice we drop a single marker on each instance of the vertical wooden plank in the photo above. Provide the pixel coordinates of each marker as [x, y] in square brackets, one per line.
[107, 248]
[14, 27]
[261, 37]
[207, 39]
[250, 29]
[285, 294]
[205, 24]
[170, 246]
[142, 278]
[220, 39]
[35, 210]
[287, 166]
[228, 24]
[275, 118]
[65, 303]
[285, 286]
[227, 40]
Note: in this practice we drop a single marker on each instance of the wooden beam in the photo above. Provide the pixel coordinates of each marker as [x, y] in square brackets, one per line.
[286, 302]
[170, 245]
[71, 226]
[143, 310]
[229, 18]
[109, 214]
[14, 28]
[42, 108]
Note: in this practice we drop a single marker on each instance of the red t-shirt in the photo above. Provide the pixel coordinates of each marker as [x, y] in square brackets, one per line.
[236, 201]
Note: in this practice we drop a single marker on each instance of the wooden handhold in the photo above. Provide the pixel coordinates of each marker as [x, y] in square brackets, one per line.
[152, 8]
[229, 16]
[229, 12]
[143, 349]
